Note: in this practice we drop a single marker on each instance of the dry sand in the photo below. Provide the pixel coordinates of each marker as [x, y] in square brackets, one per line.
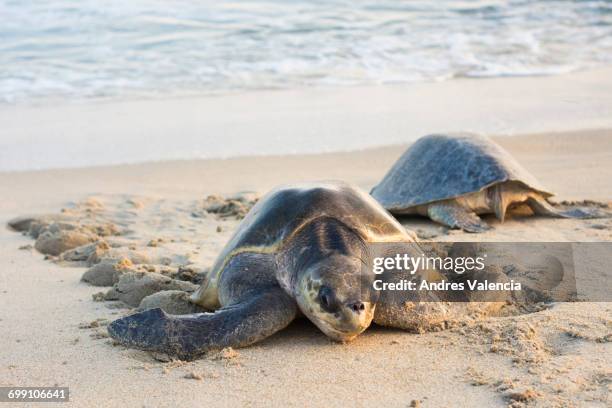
[560, 356]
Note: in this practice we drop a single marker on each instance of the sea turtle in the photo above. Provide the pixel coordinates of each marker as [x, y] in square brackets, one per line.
[454, 178]
[300, 249]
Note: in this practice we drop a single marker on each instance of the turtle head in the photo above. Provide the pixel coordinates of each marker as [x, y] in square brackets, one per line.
[336, 294]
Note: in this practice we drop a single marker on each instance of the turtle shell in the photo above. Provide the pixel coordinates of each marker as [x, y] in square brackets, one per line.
[277, 217]
[439, 167]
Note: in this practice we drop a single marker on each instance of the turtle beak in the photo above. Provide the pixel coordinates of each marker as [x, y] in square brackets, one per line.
[358, 315]
[350, 321]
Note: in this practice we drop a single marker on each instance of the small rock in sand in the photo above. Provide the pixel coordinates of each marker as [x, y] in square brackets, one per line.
[85, 253]
[171, 301]
[106, 273]
[54, 243]
[25, 223]
[40, 226]
[21, 224]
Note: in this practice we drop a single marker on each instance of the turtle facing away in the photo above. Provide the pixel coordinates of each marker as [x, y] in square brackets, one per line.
[300, 249]
[454, 178]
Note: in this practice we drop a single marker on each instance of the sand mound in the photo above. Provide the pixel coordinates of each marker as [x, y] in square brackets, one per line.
[171, 301]
[132, 287]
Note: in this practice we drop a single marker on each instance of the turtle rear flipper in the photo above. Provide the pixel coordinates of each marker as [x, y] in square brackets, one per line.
[188, 336]
[540, 206]
[454, 215]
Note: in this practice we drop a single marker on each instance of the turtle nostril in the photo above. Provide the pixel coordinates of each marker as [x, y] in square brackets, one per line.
[357, 307]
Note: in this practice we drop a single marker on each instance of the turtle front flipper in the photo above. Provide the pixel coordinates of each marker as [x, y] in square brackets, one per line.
[453, 215]
[540, 206]
[188, 336]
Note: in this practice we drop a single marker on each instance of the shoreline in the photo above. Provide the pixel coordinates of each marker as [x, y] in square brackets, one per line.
[42, 102]
[297, 121]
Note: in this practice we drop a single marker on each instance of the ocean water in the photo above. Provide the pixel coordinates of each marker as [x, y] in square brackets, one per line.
[81, 49]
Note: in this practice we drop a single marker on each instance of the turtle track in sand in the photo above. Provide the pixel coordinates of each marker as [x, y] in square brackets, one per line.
[138, 246]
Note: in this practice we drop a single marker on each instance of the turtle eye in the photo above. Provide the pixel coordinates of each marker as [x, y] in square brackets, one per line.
[325, 298]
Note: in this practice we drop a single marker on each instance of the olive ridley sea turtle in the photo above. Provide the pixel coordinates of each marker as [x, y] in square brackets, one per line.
[301, 249]
[454, 178]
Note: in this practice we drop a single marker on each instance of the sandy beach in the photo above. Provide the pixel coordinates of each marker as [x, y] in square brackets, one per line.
[208, 157]
[559, 356]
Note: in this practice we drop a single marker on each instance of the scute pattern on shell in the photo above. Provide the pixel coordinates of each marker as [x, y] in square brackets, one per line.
[438, 167]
